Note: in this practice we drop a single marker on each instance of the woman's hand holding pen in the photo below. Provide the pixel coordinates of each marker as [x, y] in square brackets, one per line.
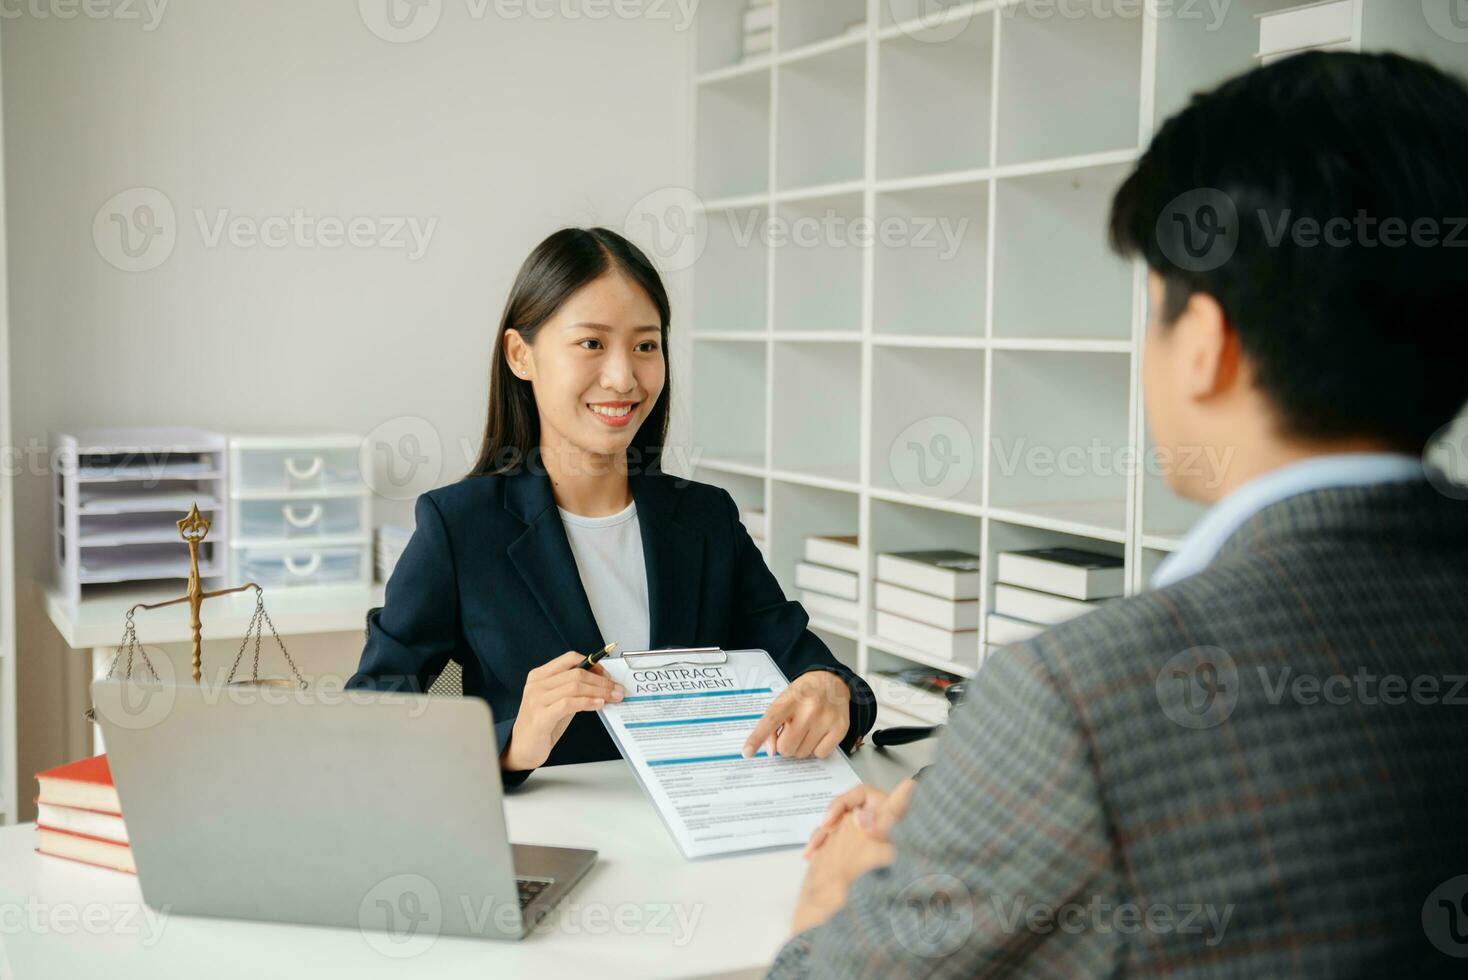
[554, 693]
[810, 717]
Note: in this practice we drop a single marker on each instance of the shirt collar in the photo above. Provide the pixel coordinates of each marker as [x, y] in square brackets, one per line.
[1202, 543]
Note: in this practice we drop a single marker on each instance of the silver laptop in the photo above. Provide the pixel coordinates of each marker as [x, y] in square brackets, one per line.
[368, 810]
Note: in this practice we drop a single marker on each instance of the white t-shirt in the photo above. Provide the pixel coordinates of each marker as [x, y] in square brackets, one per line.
[608, 553]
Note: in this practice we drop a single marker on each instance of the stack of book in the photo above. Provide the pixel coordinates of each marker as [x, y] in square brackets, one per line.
[758, 527]
[78, 815]
[929, 600]
[829, 578]
[1321, 26]
[391, 541]
[1047, 586]
[759, 28]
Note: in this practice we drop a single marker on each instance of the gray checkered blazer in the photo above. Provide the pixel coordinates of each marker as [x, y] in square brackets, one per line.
[1233, 776]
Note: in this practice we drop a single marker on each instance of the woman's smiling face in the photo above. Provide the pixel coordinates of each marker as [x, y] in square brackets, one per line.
[597, 367]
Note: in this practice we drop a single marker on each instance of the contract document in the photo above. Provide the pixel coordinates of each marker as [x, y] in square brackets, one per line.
[682, 726]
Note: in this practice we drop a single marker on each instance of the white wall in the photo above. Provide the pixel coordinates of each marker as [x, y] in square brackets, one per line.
[499, 129]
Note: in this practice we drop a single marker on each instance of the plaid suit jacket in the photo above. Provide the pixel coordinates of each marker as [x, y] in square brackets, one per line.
[1255, 772]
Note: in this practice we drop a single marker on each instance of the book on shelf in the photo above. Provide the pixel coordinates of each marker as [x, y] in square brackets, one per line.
[834, 550]
[1068, 572]
[959, 646]
[946, 573]
[822, 606]
[755, 522]
[832, 581]
[759, 18]
[1002, 630]
[948, 614]
[1323, 26]
[1039, 607]
[759, 42]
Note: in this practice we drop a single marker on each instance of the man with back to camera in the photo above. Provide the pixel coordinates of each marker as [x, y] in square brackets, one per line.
[1254, 769]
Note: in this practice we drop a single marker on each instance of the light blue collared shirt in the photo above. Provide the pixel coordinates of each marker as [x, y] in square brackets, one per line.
[1221, 520]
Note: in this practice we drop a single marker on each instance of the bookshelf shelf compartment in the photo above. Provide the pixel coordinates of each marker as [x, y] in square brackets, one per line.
[728, 421]
[928, 423]
[817, 395]
[730, 279]
[1004, 536]
[1151, 560]
[1052, 227]
[822, 119]
[910, 656]
[797, 512]
[1165, 514]
[748, 491]
[733, 136]
[908, 527]
[931, 261]
[917, 131]
[1196, 53]
[1068, 85]
[720, 35]
[803, 24]
[844, 641]
[1059, 434]
[818, 263]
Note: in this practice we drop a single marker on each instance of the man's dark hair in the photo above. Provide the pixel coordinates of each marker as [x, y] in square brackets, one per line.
[1362, 333]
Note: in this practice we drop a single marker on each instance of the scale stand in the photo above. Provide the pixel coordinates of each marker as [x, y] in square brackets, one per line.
[193, 529]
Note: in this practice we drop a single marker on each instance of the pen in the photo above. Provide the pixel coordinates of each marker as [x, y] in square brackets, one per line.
[592, 658]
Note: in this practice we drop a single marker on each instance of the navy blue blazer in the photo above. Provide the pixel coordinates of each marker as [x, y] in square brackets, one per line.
[488, 580]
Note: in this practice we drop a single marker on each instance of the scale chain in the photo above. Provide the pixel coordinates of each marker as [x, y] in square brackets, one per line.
[257, 622]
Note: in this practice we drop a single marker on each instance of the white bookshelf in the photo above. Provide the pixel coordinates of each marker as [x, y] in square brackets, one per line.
[810, 363]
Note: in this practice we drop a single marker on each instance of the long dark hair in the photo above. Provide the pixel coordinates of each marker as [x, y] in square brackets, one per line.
[560, 265]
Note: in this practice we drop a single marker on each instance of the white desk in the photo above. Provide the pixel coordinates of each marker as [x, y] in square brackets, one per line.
[622, 920]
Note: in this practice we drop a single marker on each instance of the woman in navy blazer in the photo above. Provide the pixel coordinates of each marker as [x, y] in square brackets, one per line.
[578, 414]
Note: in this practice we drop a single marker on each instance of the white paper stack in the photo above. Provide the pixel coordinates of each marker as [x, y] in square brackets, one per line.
[928, 600]
[1046, 587]
[391, 540]
[829, 578]
[759, 28]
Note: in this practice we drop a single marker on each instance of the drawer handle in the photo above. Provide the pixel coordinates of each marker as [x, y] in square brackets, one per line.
[301, 571]
[312, 469]
[312, 516]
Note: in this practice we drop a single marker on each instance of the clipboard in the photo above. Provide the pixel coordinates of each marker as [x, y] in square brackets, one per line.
[695, 657]
[675, 657]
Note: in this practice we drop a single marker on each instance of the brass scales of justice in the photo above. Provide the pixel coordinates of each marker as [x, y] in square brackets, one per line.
[193, 528]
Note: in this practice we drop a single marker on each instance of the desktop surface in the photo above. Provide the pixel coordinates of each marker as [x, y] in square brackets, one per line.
[643, 911]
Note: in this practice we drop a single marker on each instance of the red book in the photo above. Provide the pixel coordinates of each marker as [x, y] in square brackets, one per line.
[87, 850]
[88, 823]
[86, 783]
